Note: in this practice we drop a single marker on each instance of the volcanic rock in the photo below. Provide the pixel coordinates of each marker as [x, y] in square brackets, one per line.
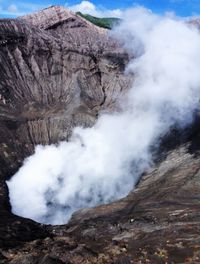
[58, 71]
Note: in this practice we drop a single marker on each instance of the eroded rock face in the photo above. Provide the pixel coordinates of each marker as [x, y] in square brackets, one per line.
[58, 71]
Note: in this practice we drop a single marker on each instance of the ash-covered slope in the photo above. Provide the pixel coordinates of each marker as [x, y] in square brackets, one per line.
[54, 76]
[157, 223]
[57, 71]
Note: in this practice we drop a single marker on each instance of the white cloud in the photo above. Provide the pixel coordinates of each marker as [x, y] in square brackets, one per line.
[87, 7]
[12, 8]
[21, 8]
[84, 6]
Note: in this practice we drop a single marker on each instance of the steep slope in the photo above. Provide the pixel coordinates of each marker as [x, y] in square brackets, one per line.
[56, 72]
[59, 71]
[157, 223]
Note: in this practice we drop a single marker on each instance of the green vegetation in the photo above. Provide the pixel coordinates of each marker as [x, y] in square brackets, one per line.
[105, 22]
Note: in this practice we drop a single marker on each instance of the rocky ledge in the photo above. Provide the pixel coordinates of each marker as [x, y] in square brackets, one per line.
[59, 71]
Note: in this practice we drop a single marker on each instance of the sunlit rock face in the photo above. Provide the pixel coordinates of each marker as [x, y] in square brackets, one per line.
[57, 71]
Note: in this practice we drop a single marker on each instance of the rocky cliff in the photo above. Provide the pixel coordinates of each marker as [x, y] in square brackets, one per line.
[58, 71]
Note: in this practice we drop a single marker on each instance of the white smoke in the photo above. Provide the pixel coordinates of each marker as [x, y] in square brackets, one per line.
[103, 163]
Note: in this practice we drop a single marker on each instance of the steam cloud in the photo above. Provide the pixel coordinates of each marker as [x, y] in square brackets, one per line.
[103, 163]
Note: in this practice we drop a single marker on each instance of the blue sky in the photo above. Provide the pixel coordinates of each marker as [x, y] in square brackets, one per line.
[12, 8]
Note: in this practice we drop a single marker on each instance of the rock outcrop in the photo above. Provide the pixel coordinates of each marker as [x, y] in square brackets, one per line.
[58, 71]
